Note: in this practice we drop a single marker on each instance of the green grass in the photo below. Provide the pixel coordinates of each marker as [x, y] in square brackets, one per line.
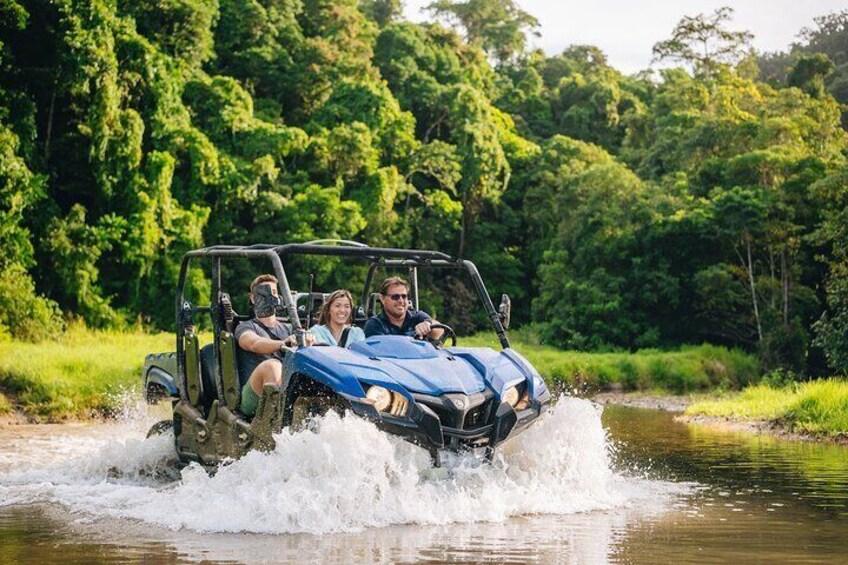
[79, 376]
[815, 407]
[5, 405]
[87, 372]
[688, 369]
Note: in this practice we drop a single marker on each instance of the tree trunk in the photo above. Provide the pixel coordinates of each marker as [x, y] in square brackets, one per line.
[465, 222]
[750, 268]
[462, 232]
[784, 276]
[772, 270]
[49, 132]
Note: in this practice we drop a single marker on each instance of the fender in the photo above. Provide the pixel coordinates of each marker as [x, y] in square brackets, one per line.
[160, 377]
[535, 382]
[501, 369]
[323, 365]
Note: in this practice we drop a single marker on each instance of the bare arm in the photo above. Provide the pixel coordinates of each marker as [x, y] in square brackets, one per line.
[424, 328]
[251, 341]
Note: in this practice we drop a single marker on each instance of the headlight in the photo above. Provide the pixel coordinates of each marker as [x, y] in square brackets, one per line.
[524, 402]
[388, 401]
[381, 397]
[511, 396]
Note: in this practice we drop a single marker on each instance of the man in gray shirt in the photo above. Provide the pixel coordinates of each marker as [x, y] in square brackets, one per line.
[262, 341]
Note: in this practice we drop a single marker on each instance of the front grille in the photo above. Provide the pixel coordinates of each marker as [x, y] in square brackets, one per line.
[465, 418]
[478, 416]
[447, 415]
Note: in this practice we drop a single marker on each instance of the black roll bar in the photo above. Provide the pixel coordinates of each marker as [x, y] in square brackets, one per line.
[377, 256]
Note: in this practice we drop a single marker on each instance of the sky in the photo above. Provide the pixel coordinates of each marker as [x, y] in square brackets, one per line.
[627, 30]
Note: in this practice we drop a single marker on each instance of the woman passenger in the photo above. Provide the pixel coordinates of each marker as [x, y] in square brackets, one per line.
[336, 314]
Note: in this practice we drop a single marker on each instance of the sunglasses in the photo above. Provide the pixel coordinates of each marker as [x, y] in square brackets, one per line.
[397, 297]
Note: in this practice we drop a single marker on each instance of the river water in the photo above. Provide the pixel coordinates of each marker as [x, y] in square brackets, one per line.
[623, 486]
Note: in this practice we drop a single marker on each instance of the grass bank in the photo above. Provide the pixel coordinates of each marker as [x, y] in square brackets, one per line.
[817, 407]
[89, 373]
[688, 369]
[86, 373]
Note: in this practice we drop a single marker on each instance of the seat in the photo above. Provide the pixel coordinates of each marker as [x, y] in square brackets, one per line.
[208, 390]
[227, 349]
[371, 304]
[308, 305]
[359, 316]
[229, 318]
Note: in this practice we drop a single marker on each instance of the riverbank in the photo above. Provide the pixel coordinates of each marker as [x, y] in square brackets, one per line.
[666, 403]
[86, 374]
[689, 369]
[811, 411]
[760, 427]
[814, 409]
[95, 374]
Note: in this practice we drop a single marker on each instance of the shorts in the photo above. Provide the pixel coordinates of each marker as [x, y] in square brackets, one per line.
[249, 400]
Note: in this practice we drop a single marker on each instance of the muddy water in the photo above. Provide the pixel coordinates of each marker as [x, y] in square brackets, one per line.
[631, 486]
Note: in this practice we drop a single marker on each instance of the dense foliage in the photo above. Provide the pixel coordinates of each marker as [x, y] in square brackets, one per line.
[699, 205]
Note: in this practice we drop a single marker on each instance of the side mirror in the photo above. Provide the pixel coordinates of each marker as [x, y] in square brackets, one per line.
[504, 310]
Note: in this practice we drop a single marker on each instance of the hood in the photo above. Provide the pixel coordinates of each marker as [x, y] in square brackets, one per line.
[416, 365]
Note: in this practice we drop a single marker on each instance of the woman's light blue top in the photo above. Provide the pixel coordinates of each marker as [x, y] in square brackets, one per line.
[324, 335]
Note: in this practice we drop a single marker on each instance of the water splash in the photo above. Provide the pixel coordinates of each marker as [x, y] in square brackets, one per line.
[343, 476]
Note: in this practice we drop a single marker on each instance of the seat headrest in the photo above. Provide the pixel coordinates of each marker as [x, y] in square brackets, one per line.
[227, 311]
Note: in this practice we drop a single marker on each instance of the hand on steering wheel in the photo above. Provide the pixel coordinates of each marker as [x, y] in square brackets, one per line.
[447, 331]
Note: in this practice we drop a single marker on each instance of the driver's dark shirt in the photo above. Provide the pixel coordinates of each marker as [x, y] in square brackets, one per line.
[248, 360]
[380, 324]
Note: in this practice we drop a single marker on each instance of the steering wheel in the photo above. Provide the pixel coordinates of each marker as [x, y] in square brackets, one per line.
[440, 341]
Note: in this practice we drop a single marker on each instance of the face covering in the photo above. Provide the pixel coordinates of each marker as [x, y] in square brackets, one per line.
[264, 302]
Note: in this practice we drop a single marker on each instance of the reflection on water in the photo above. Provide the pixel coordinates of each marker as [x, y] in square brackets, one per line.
[673, 493]
[814, 475]
[760, 499]
[579, 539]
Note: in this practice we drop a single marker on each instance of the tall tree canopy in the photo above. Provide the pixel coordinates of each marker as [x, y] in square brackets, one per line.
[498, 26]
[704, 41]
[618, 211]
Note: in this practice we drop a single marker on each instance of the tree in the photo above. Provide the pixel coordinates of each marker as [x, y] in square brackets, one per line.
[499, 27]
[182, 28]
[830, 36]
[810, 73]
[338, 45]
[599, 283]
[831, 329]
[574, 93]
[24, 314]
[485, 170]
[704, 42]
[256, 42]
[382, 12]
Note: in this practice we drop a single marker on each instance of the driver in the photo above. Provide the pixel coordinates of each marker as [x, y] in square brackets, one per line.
[261, 341]
[396, 317]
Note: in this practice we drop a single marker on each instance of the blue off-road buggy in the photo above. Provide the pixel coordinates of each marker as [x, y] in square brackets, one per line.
[439, 397]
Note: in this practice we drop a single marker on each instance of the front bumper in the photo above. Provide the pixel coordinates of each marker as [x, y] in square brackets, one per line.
[456, 422]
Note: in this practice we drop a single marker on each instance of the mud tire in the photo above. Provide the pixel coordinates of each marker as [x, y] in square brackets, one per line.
[308, 408]
[160, 428]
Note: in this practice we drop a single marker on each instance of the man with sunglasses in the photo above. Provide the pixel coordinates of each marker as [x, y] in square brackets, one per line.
[396, 317]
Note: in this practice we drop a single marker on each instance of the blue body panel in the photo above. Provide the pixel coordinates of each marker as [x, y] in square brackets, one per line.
[408, 366]
[403, 365]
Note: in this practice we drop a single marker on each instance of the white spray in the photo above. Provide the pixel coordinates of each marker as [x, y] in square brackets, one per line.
[345, 476]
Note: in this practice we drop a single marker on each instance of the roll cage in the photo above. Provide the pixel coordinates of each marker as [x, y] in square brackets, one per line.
[378, 257]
